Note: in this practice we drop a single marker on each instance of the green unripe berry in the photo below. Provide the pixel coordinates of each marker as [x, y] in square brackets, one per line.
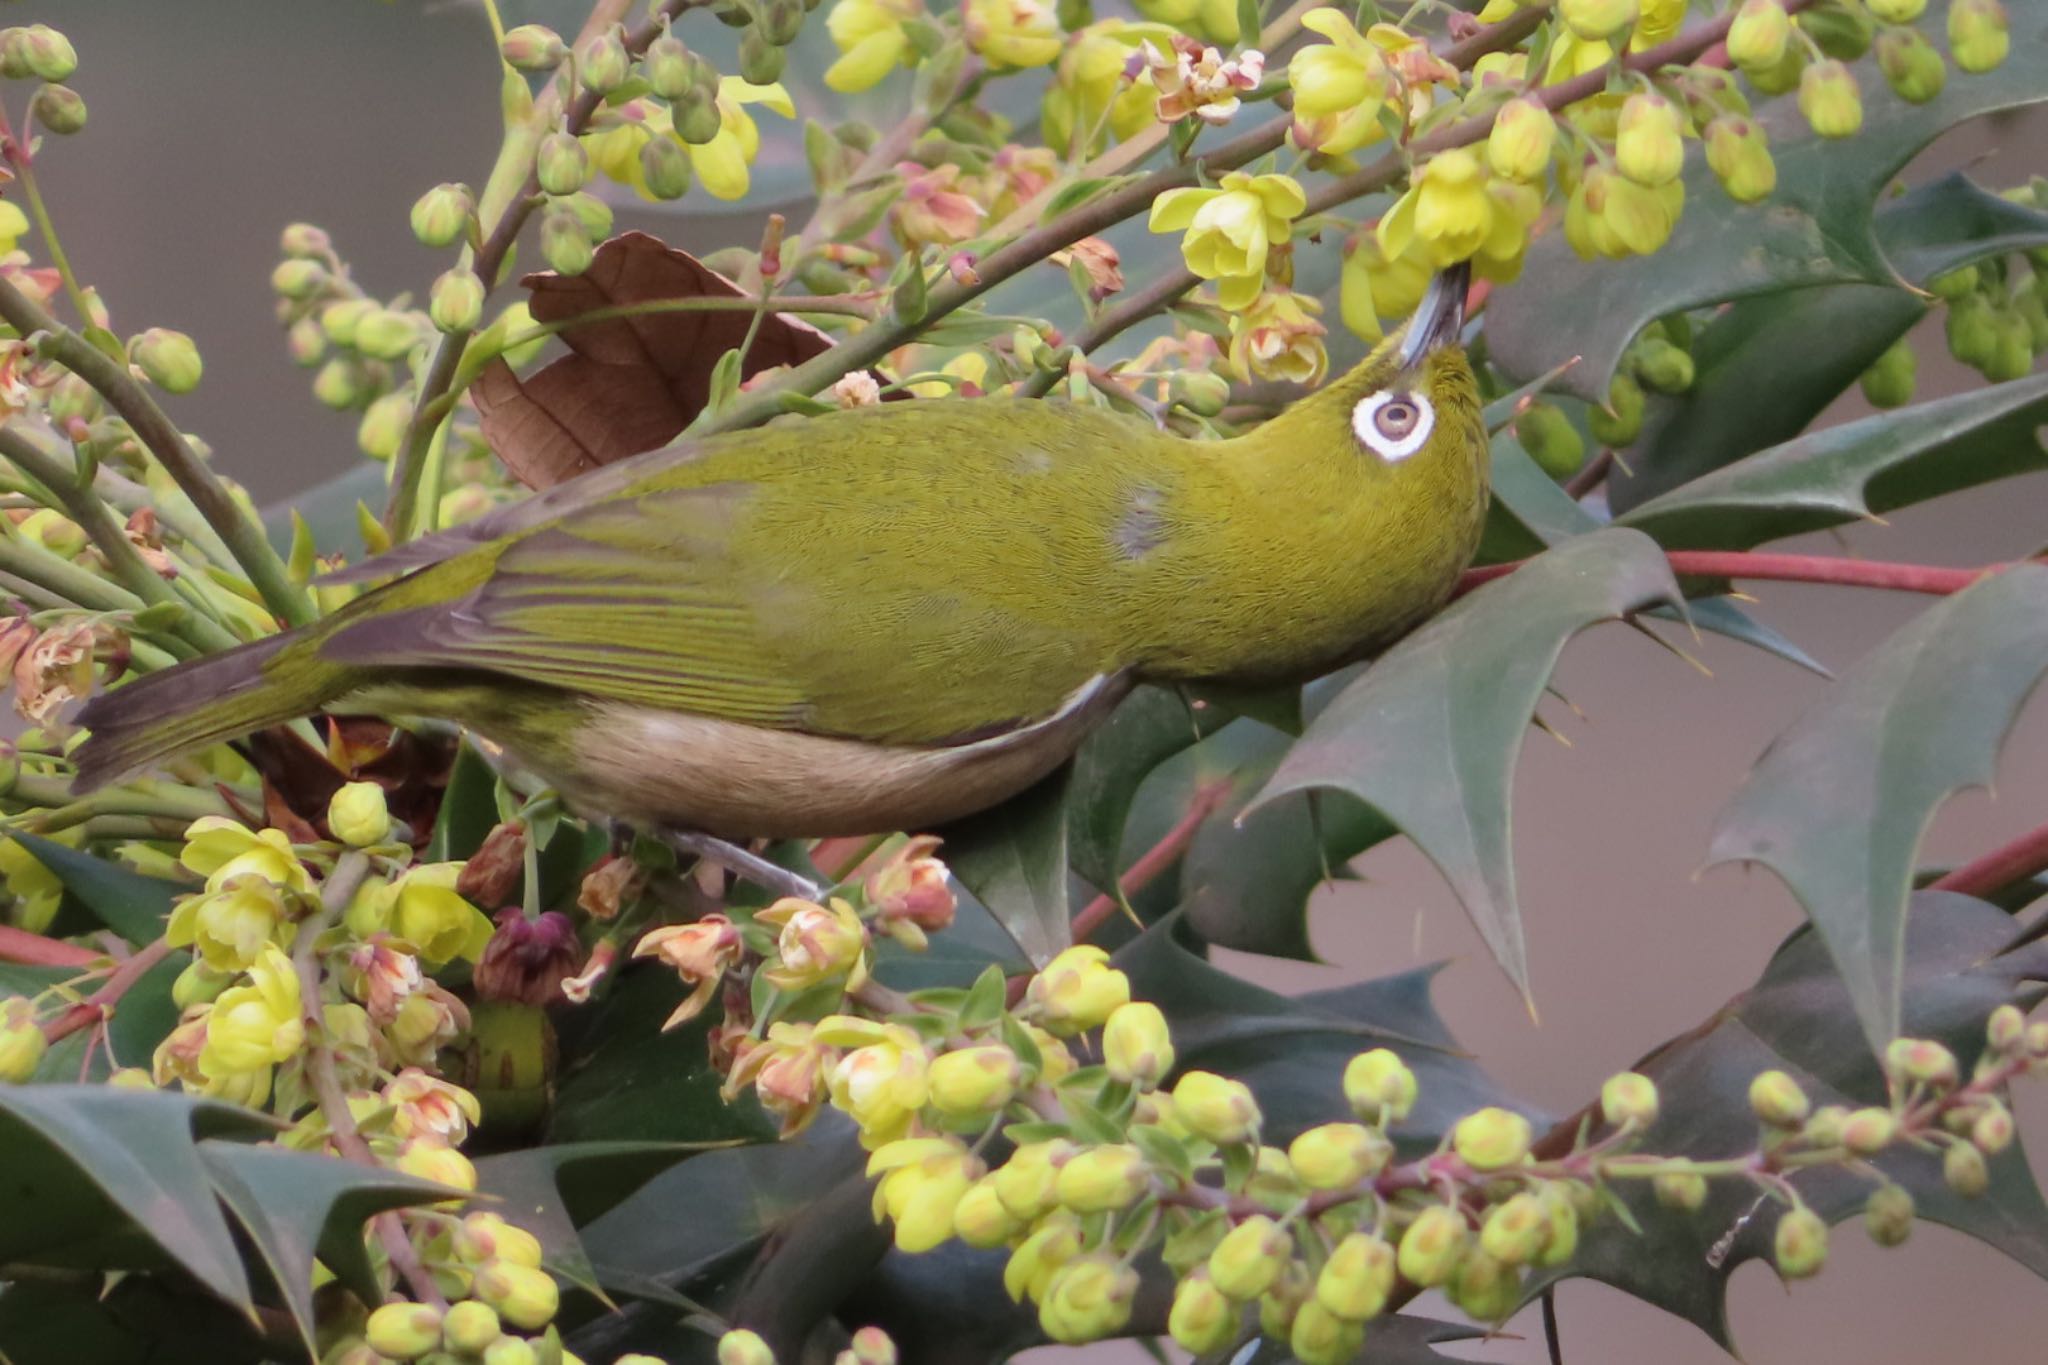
[1839, 31]
[1777, 1100]
[1963, 1168]
[533, 47]
[1829, 99]
[1487, 1289]
[1888, 1217]
[1889, 382]
[47, 53]
[2033, 310]
[1432, 1246]
[403, 1331]
[2014, 354]
[1911, 66]
[1663, 366]
[167, 359]
[1358, 1278]
[1800, 1246]
[1203, 1318]
[61, 110]
[441, 216]
[564, 243]
[1320, 1337]
[456, 303]
[1740, 158]
[1250, 1258]
[603, 64]
[1972, 331]
[761, 61]
[1760, 35]
[386, 333]
[1649, 143]
[1621, 421]
[1551, 439]
[1597, 20]
[1978, 36]
[1680, 1190]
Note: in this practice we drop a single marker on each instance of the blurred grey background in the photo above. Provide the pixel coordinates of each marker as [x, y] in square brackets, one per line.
[216, 122]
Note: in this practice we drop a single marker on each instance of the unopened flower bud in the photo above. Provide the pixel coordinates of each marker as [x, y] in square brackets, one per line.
[441, 216]
[167, 359]
[60, 109]
[1777, 1100]
[533, 47]
[386, 333]
[1920, 1061]
[1888, 1217]
[1629, 1097]
[603, 64]
[1962, 1166]
[469, 1327]
[1103, 1178]
[1203, 392]
[1320, 1337]
[1740, 158]
[1203, 1318]
[1649, 144]
[1595, 20]
[1621, 420]
[403, 1331]
[1216, 1108]
[873, 1346]
[980, 1220]
[973, 1081]
[483, 1237]
[561, 165]
[1078, 990]
[1911, 66]
[1136, 1045]
[665, 166]
[510, 1350]
[1358, 1278]
[1760, 34]
[456, 303]
[696, 117]
[298, 278]
[2006, 1029]
[22, 1043]
[1486, 1289]
[304, 240]
[306, 343]
[742, 1347]
[563, 242]
[382, 431]
[1379, 1086]
[668, 68]
[1491, 1139]
[1432, 1246]
[1524, 134]
[1978, 36]
[1250, 1257]
[1684, 1191]
[339, 383]
[781, 20]
[1026, 1183]
[1889, 382]
[1869, 1131]
[761, 61]
[1550, 439]
[1829, 99]
[1800, 1246]
[1515, 1232]
[525, 1297]
[358, 816]
[1088, 1298]
[1992, 1131]
[1562, 1211]
[1336, 1156]
[47, 53]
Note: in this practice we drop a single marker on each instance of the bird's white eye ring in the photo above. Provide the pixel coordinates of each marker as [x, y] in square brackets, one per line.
[1393, 424]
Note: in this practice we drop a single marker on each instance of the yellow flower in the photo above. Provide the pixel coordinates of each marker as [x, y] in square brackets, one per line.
[253, 1027]
[1516, 206]
[1657, 22]
[872, 41]
[229, 927]
[357, 815]
[787, 1071]
[882, 1086]
[1339, 86]
[922, 1182]
[1278, 337]
[815, 943]
[720, 165]
[422, 908]
[13, 226]
[1610, 215]
[1077, 990]
[1446, 211]
[220, 849]
[1088, 94]
[1374, 285]
[1231, 229]
[35, 888]
[1012, 33]
[701, 952]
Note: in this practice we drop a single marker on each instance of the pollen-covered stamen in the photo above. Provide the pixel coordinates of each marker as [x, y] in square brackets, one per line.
[1392, 424]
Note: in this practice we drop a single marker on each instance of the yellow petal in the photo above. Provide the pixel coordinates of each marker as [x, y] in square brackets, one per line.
[721, 167]
[1173, 210]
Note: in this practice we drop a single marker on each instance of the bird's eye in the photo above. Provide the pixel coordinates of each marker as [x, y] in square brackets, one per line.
[1393, 425]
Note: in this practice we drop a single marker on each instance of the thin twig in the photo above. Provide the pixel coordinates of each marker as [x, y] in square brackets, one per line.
[34, 950]
[1154, 860]
[2010, 863]
[99, 1007]
[1935, 580]
[1591, 475]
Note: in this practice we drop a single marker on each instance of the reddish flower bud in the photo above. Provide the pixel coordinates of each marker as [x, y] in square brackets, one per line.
[527, 960]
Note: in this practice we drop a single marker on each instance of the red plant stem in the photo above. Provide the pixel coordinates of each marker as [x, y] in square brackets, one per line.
[98, 1007]
[33, 950]
[2001, 867]
[1787, 568]
[1155, 859]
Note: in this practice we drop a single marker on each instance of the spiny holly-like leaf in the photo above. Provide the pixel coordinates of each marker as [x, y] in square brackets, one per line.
[129, 1320]
[132, 905]
[1851, 471]
[1430, 734]
[1760, 380]
[1149, 727]
[971, 944]
[296, 1206]
[1292, 1050]
[1815, 229]
[1838, 803]
[1797, 1019]
[1014, 859]
[1398, 1339]
[88, 1164]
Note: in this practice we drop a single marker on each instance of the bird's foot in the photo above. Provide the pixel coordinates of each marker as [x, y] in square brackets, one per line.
[747, 866]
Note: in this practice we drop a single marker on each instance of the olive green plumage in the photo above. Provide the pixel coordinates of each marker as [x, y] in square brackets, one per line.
[914, 577]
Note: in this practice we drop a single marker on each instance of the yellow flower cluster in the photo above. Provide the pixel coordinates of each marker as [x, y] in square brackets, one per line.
[721, 164]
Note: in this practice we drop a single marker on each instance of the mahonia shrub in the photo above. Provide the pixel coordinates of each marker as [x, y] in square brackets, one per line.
[346, 1042]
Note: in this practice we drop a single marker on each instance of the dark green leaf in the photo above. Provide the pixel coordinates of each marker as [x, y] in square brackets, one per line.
[469, 807]
[1014, 859]
[1838, 803]
[132, 905]
[1815, 229]
[139, 1320]
[1149, 727]
[1429, 735]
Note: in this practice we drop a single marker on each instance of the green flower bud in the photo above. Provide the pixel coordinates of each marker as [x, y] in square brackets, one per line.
[1216, 1109]
[469, 1327]
[1250, 1257]
[1760, 35]
[47, 53]
[2006, 1029]
[60, 109]
[1523, 137]
[511, 1351]
[980, 1220]
[1977, 34]
[1889, 382]
[1103, 1178]
[1954, 284]
[591, 211]
[22, 1043]
[742, 1347]
[1485, 1288]
[1027, 1182]
[357, 815]
[1839, 31]
[603, 64]
[1551, 439]
[1777, 1100]
[1379, 1086]
[1337, 1156]
[298, 278]
[14, 53]
[668, 67]
[1680, 1190]
[1320, 1337]
[1911, 66]
[381, 433]
[1432, 1246]
[1649, 142]
[167, 359]
[1972, 331]
[304, 240]
[564, 244]
[1962, 1166]
[1776, 80]
[781, 20]
[1869, 1131]
[2014, 355]
[403, 1331]
[1992, 1132]
[665, 166]
[1920, 1061]
[1088, 1298]
[1563, 1214]
[760, 60]
[525, 1297]
[305, 342]
[2032, 308]
[456, 303]
[1515, 1232]
[1630, 1097]
[441, 216]
[1279, 1304]
[1203, 1318]
[339, 320]
[1621, 421]
[1357, 1280]
[1662, 366]
[696, 117]
[1596, 20]
[386, 333]
[1896, 11]
[1888, 1217]
[484, 1237]
[339, 384]
[533, 47]
[1137, 1046]
[1800, 1247]
[561, 165]
[1492, 1139]
[199, 984]
[1829, 99]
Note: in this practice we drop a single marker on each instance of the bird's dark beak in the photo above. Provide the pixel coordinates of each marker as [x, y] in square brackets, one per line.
[1439, 317]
